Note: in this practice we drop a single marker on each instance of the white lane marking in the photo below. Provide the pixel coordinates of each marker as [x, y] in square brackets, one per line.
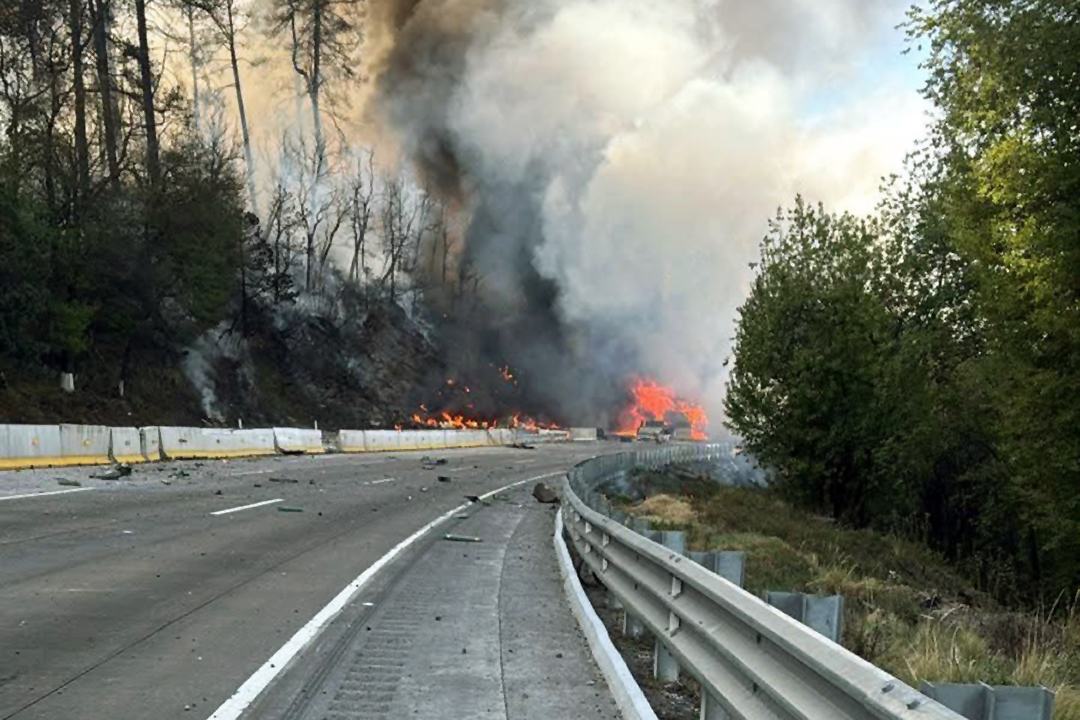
[380, 482]
[43, 494]
[232, 708]
[246, 507]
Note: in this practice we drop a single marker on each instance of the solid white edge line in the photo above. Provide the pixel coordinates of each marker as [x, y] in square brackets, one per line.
[624, 688]
[43, 494]
[232, 708]
[247, 507]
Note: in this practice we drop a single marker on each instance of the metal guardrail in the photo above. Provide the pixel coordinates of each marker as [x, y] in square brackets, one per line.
[753, 661]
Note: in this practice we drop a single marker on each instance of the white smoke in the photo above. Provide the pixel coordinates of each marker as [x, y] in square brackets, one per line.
[657, 139]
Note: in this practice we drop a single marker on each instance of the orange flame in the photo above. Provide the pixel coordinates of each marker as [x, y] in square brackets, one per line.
[653, 401]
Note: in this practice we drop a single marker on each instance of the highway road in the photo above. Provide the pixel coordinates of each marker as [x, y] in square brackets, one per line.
[163, 594]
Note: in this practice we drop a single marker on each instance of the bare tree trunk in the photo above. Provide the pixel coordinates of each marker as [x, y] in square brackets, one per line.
[153, 162]
[314, 87]
[81, 150]
[245, 134]
[193, 52]
[108, 118]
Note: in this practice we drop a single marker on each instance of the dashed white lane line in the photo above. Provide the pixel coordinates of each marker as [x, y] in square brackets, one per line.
[380, 482]
[232, 708]
[43, 494]
[246, 507]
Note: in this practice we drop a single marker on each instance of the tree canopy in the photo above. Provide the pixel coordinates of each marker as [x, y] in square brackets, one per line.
[920, 370]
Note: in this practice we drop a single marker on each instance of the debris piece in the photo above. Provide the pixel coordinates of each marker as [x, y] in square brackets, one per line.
[310, 482]
[430, 462]
[180, 474]
[70, 483]
[423, 489]
[258, 485]
[462, 538]
[165, 482]
[544, 494]
[521, 446]
[218, 492]
[443, 478]
[472, 498]
[284, 480]
[462, 517]
[115, 473]
[289, 508]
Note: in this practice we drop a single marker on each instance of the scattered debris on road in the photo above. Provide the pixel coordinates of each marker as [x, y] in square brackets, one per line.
[430, 462]
[115, 473]
[444, 478]
[544, 494]
[289, 508]
[462, 538]
[69, 483]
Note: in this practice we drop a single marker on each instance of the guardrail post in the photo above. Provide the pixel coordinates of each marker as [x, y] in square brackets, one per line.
[728, 564]
[711, 709]
[665, 667]
[632, 626]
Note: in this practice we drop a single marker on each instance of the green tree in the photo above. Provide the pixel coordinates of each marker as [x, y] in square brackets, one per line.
[1005, 76]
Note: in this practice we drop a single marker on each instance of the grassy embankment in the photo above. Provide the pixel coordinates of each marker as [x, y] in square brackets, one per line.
[906, 609]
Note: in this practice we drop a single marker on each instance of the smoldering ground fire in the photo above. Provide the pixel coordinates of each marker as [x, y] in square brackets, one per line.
[614, 162]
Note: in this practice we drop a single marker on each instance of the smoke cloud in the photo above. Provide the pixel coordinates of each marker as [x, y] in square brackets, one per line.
[618, 161]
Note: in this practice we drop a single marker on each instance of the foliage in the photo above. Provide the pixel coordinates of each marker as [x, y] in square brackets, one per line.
[918, 372]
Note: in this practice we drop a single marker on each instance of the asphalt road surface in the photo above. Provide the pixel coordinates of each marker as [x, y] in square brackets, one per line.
[160, 595]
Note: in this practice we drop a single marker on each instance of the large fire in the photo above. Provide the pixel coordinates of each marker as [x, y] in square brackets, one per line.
[653, 401]
[449, 421]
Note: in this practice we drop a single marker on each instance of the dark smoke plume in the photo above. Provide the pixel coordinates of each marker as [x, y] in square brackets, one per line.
[616, 161]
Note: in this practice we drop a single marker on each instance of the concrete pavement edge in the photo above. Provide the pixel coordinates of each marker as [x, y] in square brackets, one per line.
[627, 693]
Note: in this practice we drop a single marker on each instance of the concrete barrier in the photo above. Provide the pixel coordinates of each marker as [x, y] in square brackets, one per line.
[150, 438]
[28, 446]
[299, 440]
[179, 443]
[253, 442]
[125, 445]
[583, 434]
[381, 440]
[84, 444]
[351, 441]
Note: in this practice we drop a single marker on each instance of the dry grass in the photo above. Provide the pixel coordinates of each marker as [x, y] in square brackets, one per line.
[906, 609]
[666, 510]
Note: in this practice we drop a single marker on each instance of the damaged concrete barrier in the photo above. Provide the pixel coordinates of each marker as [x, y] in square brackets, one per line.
[150, 442]
[125, 446]
[299, 441]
